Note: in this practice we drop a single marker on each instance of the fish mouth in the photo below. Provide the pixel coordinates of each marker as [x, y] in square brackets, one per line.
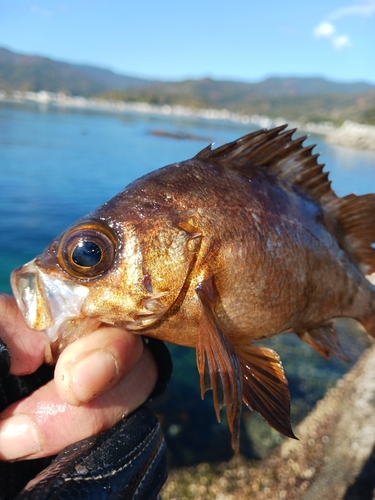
[47, 302]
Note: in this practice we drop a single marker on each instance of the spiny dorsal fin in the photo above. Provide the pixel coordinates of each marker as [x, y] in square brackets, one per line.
[276, 151]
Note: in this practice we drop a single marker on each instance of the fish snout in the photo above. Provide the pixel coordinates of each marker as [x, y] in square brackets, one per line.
[30, 296]
[46, 302]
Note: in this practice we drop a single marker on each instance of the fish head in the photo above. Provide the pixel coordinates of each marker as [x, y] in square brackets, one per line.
[105, 270]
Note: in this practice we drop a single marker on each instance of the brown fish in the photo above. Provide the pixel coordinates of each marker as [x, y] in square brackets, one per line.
[238, 244]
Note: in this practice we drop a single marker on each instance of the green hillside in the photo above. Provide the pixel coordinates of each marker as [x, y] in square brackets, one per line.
[35, 73]
[293, 98]
[331, 103]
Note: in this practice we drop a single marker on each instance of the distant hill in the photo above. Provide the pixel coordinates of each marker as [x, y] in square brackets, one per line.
[35, 73]
[293, 86]
[294, 98]
[301, 99]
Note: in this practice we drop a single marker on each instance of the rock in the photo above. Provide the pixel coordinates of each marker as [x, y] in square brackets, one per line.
[353, 135]
[334, 458]
[337, 439]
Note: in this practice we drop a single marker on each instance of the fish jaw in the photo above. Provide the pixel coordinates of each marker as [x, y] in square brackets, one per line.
[47, 303]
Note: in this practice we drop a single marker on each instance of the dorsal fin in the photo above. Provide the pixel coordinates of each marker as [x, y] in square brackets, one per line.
[275, 151]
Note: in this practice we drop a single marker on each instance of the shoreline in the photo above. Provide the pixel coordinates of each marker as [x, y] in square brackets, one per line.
[349, 134]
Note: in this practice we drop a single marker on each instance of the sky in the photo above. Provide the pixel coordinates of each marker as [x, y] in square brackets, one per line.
[244, 40]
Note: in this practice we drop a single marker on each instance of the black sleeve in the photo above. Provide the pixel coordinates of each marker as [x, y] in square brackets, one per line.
[4, 360]
[164, 363]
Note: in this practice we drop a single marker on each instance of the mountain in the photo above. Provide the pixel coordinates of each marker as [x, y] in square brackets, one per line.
[30, 72]
[302, 99]
[112, 80]
[293, 86]
[294, 98]
[35, 73]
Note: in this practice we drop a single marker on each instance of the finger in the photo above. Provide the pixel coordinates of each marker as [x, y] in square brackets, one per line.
[28, 348]
[43, 423]
[94, 363]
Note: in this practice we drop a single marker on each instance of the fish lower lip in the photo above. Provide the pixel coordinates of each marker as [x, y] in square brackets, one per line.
[30, 297]
[46, 302]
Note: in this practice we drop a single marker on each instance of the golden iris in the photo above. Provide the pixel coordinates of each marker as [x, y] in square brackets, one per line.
[88, 250]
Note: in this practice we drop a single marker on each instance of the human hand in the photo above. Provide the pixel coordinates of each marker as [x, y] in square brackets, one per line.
[98, 379]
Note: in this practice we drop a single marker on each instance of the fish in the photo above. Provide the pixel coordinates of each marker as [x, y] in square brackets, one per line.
[239, 244]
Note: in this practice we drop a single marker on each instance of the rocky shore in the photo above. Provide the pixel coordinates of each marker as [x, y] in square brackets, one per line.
[350, 134]
[333, 459]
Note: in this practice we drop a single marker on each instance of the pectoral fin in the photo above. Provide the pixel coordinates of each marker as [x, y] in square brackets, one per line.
[216, 353]
[265, 387]
[325, 341]
[249, 373]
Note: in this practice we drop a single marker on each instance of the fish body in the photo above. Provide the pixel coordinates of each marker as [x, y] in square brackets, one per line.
[238, 244]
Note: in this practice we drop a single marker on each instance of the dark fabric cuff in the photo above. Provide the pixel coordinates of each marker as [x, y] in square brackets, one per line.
[4, 360]
[164, 363]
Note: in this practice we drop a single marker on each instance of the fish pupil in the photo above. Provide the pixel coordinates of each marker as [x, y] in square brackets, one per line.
[87, 254]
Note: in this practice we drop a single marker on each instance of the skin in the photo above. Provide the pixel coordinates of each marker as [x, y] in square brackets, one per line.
[82, 399]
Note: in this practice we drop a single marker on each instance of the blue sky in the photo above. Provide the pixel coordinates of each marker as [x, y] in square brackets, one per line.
[174, 39]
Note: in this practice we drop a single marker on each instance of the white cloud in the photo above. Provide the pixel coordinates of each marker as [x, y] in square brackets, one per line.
[324, 30]
[365, 8]
[340, 42]
[328, 31]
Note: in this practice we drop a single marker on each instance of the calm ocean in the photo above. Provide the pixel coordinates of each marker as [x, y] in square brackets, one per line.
[57, 165]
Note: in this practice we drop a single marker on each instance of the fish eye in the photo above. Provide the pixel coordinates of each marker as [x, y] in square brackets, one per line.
[87, 254]
[87, 251]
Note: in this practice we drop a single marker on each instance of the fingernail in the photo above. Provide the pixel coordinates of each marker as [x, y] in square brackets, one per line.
[89, 376]
[18, 437]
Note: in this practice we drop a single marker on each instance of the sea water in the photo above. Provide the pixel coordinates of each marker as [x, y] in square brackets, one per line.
[58, 164]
